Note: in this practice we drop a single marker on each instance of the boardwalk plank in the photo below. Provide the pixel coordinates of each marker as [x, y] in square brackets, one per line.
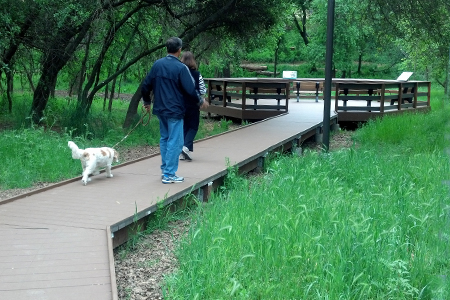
[89, 292]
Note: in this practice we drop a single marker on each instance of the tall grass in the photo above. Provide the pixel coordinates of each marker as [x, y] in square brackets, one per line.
[32, 154]
[370, 222]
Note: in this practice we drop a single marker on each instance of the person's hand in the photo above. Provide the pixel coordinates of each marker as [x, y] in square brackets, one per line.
[205, 104]
[147, 108]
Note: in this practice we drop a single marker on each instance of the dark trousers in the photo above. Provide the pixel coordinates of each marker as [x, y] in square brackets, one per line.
[190, 126]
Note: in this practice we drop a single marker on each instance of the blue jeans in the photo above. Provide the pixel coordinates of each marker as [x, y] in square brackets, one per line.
[170, 144]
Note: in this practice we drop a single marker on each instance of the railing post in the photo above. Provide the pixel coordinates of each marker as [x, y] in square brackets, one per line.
[255, 101]
[288, 91]
[296, 148]
[336, 97]
[369, 102]
[429, 93]
[319, 135]
[205, 192]
[209, 95]
[260, 164]
[345, 100]
[244, 95]
[279, 93]
[400, 97]
[298, 90]
[416, 87]
[224, 94]
[317, 91]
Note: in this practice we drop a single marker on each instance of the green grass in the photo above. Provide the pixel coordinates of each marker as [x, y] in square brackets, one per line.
[34, 154]
[370, 222]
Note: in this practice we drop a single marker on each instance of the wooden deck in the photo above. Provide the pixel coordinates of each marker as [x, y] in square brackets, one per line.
[57, 243]
[362, 100]
[355, 100]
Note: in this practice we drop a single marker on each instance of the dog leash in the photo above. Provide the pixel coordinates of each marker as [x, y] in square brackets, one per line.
[140, 121]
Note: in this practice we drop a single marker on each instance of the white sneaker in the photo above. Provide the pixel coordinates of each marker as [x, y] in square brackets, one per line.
[186, 153]
[181, 157]
[172, 179]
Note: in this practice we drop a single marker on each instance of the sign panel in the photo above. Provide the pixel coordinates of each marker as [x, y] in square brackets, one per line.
[404, 76]
[290, 74]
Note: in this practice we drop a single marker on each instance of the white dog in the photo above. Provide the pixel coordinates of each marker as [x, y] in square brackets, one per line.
[93, 159]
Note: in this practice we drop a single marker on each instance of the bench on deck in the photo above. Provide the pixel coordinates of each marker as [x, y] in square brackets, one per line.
[407, 91]
[299, 90]
[358, 92]
[248, 99]
[235, 93]
[307, 90]
[381, 92]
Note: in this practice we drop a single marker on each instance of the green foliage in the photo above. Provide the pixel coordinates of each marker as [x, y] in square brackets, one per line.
[42, 152]
[405, 130]
[361, 223]
[35, 155]
[20, 111]
[421, 29]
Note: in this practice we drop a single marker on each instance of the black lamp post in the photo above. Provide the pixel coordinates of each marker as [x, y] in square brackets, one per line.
[328, 76]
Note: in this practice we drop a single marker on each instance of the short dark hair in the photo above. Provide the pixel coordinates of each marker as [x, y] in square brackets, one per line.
[174, 44]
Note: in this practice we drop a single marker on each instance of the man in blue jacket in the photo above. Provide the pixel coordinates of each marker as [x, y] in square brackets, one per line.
[171, 83]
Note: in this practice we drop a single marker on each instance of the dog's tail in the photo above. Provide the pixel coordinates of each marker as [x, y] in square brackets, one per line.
[116, 156]
[76, 152]
[72, 145]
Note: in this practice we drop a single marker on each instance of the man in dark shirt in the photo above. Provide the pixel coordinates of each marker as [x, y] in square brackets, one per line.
[171, 83]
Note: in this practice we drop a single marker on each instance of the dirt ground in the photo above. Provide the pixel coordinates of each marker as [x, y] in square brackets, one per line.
[140, 272]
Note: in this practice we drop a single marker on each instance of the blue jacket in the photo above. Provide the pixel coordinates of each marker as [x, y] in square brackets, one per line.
[171, 83]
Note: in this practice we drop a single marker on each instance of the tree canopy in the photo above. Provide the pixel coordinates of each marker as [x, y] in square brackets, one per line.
[93, 45]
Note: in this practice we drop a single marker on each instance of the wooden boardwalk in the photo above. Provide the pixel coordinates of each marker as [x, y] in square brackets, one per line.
[57, 243]
[356, 100]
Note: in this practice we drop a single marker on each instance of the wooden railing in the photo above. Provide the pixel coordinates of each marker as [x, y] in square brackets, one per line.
[355, 99]
[390, 97]
[248, 98]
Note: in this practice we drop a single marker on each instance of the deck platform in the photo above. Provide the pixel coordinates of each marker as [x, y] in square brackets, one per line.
[355, 100]
[57, 242]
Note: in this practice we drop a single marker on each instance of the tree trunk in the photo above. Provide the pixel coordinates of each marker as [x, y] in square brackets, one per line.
[29, 77]
[92, 82]
[359, 64]
[15, 42]
[42, 92]
[105, 97]
[83, 69]
[276, 57]
[226, 70]
[53, 87]
[133, 107]
[302, 28]
[9, 88]
[112, 94]
[60, 50]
